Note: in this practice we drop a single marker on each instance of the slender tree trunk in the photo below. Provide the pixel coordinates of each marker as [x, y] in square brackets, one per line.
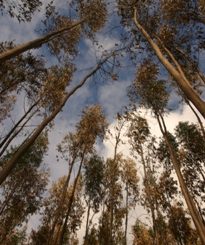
[17, 124]
[143, 162]
[188, 199]
[16, 133]
[151, 206]
[117, 138]
[126, 215]
[63, 231]
[200, 211]
[36, 43]
[177, 73]
[10, 164]
[59, 210]
[198, 118]
[87, 224]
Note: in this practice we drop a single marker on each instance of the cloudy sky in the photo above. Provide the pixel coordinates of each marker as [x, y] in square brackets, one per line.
[112, 95]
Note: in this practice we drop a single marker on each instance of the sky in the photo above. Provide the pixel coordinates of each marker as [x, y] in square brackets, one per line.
[112, 95]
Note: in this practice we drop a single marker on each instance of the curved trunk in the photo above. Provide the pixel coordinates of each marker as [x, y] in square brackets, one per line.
[175, 72]
[188, 199]
[36, 43]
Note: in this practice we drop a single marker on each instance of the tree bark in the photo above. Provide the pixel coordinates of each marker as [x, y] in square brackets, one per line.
[62, 232]
[87, 224]
[10, 164]
[16, 133]
[59, 210]
[17, 124]
[188, 199]
[198, 118]
[126, 215]
[176, 73]
[36, 43]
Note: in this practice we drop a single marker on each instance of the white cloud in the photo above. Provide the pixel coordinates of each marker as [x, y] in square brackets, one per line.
[113, 96]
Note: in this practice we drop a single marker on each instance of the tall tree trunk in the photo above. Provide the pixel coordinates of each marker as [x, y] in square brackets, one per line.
[117, 138]
[36, 43]
[10, 164]
[126, 215]
[59, 208]
[198, 118]
[176, 72]
[188, 199]
[87, 224]
[17, 124]
[16, 133]
[63, 231]
[146, 184]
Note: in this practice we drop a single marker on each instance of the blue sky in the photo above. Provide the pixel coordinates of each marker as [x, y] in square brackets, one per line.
[112, 95]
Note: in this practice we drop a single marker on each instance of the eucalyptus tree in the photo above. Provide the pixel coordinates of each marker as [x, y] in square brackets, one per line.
[93, 181]
[22, 192]
[130, 179]
[180, 227]
[63, 32]
[141, 145]
[62, 97]
[23, 74]
[114, 212]
[78, 145]
[111, 221]
[142, 235]
[41, 235]
[191, 146]
[154, 96]
[164, 38]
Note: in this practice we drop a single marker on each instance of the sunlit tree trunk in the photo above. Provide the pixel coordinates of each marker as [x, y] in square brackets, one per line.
[59, 209]
[198, 118]
[10, 164]
[175, 71]
[36, 43]
[16, 133]
[188, 199]
[17, 124]
[71, 199]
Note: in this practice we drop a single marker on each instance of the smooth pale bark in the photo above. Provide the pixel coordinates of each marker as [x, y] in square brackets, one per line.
[188, 199]
[11, 163]
[176, 72]
[36, 43]
[198, 118]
